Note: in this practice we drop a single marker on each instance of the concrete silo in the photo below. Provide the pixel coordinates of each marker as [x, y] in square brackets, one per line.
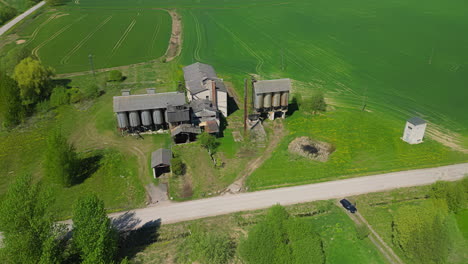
[285, 100]
[267, 100]
[158, 118]
[146, 119]
[258, 102]
[134, 119]
[276, 100]
[122, 120]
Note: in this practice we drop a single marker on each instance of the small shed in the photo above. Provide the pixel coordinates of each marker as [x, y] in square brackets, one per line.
[414, 130]
[161, 162]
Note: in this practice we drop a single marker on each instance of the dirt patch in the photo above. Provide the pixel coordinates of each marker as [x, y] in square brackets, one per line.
[312, 149]
[20, 41]
[175, 42]
[187, 190]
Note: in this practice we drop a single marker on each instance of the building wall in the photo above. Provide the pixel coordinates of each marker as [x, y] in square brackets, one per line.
[222, 102]
[414, 134]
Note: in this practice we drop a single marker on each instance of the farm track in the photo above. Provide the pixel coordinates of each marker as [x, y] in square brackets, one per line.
[123, 37]
[83, 41]
[35, 51]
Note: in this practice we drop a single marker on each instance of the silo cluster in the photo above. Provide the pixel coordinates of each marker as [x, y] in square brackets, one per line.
[271, 101]
[141, 120]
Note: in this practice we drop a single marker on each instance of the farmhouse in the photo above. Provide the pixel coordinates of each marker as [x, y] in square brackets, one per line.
[202, 82]
[414, 130]
[272, 97]
[161, 162]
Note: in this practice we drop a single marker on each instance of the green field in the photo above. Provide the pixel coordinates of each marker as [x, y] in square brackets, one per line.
[20, 5]
[65, 38]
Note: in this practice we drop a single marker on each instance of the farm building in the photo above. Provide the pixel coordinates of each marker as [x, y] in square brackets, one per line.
[145, 112]
[272, 97]
[202, 82]
[414, 130]
[161, 162]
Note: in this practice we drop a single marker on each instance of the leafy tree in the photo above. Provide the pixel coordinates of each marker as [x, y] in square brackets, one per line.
[15, 55]
[60, 160]
[59, 96]
[115, 76]
[281, 239]
[208, 141]
[33, 80]
[177, 166]
[7, 13]
[453, 193]
[10, 102]
[28, 229]
[204, 246]
[423, 236]
[316, 103]
[93, 234]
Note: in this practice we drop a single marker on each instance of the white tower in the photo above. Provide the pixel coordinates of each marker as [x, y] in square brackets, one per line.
[414, 130]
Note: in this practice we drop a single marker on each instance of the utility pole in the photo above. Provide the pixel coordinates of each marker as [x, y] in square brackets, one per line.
[245, 107]
[91, 64]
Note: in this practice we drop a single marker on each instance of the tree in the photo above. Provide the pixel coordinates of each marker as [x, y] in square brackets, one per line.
[7, 13]
[28, 229]
[423, 236]
[208, 141]
[10, 102]
[93, 234]
[115, 76]
[59, 96]
[14, 56]
[452, 193]
[60, 160]
[316, 103]
[281, 239]
[33, 80]
[177, 166]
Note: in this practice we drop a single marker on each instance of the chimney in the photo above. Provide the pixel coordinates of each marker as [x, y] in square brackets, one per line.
[214, 99]
[151, 90]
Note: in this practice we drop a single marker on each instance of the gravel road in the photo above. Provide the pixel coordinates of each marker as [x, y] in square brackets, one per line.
[178, 212]
[17, 19]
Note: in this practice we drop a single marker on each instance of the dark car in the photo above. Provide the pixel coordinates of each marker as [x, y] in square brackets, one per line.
[348, 205]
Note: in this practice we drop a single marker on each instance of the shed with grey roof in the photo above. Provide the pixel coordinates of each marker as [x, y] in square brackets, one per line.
[147, 101]
[272, 96]
[161, 161]
[414, 130]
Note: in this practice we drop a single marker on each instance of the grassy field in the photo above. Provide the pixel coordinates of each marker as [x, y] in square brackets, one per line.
[379, 208]
[20, 5]
[336, 229]
[365, 144]
[64, 38]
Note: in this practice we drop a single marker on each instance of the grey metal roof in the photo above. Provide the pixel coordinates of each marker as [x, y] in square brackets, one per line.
[416, 121]
[272, 86]
[185, 128]
[177, 113]
[147, 101]
[196, 74]
[161, 156]
[202, 104]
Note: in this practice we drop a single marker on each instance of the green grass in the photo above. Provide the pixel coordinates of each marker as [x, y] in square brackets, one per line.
[379, 208]
[462, 220]
[20, 5]
[365, 144]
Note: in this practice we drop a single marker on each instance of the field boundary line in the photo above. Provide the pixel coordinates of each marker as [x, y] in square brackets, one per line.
[65, 59]
[124, 36]
[35, 51]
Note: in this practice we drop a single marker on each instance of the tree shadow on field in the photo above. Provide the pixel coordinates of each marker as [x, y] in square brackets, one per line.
[293, 106]
[133, 241]
[60, 82]
[85, 167]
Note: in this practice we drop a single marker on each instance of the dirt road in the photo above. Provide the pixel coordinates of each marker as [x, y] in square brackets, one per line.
[178, 212]
[17, 19]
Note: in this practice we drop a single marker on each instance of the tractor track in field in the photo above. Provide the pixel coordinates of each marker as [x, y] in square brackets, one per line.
[36, 31]
[65, 59]
[153, 39]
[196, 53]
[124, 36]
[35, 51]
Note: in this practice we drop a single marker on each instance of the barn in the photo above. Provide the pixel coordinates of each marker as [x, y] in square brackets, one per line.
[272, 97]
[414, 130]
[161, 162]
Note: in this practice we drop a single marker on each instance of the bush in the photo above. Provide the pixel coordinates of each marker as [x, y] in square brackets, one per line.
[203, 246]
[177, 166]
[452, 193]
[90, 90]
[75, 95]
[115, 76]
[59, 96]
[315, 103]
[7, 13]
[362, 231]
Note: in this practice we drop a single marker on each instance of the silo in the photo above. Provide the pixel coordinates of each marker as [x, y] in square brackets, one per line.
[158, 117]
[276, 99]
[134, 119]
[285, 99]
[258, 101]
[122, 119]
[267, 100]
[146, 118]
